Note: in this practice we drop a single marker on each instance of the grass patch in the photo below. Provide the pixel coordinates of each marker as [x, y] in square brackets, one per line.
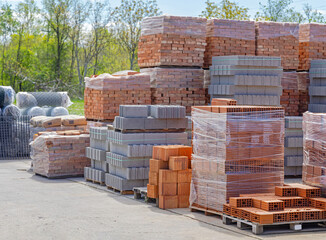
[77, 108]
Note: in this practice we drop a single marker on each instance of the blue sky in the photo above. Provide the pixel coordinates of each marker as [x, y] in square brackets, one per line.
[194, 7]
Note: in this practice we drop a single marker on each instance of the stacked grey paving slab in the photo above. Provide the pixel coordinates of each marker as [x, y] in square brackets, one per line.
[136, 130]
[317, 88]
[251, 80]
[293, 146]
[189, 131]
[99, 146]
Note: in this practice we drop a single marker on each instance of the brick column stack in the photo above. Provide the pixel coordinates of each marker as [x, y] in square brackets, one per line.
[171, 50]
[317, 87]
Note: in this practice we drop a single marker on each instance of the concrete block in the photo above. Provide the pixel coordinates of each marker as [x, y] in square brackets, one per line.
[123, 184]
[130, 173]
[167, 111]
[293, 161]
[133, 111]
[100, 144]
[122, 161]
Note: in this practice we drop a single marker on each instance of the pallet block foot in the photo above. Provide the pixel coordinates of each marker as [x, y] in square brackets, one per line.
[241, 225]
[296, 226]
[227, 221]
[257, 229]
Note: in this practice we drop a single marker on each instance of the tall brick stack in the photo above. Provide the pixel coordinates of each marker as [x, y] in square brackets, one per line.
[279, 40]
[170, 176]
[136, 130]
[229, 37]
[105, 93]
[295, 96]
[317, 88]
[293, 146]
[251, 80]
[312, 43]
[99, 145]
[60, 154]
[236, 150]
[171, 50]
[314, 151]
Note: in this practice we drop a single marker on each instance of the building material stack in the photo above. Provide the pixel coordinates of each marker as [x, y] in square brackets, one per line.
[60, 154]
[99, 146]
[170, 176]
[312, 44]
[314, 141]
[136, 131]
[279, 40]
[293, 146]
[105, 93]
[289, 203]
[229, 37]
[251, 80]
[171, 50]
[317, 88]
[236, 150]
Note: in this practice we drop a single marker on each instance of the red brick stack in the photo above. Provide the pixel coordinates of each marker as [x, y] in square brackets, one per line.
[312, 43]
[171, 50]
[170, 176]
[236, 150]
[295, 97]
[314, 142]
[105, 93]
[229, 37]
[279, 39]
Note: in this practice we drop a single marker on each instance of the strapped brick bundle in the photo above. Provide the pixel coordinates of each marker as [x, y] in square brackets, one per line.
[172, 41]
[236, 150]
[314, 151]
[279, 39]
[105, 93]
[229, 37]
[312, 43]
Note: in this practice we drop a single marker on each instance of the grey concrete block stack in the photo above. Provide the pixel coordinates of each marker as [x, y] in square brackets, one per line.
[293, 146]
[136, 131]
[251, 80]
[99, 145]
[317, 88]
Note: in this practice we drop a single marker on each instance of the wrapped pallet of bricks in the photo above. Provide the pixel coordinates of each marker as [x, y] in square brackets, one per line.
[293, 146]
[170, 176]
[99, 146]
[172, 41]
[251, 80]
[105, 93]
[279, 39]
[182, 86]
[295, 96]
[314, 140]
[135, 131]
[312, 43]
[229, 37]
[236, 150]
[60, 154]
[317, 87]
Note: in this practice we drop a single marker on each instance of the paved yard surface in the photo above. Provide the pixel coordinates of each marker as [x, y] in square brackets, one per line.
[33, 207]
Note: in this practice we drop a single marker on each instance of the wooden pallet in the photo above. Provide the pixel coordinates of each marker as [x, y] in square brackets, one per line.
[141, 193]
[206, 211]
[122, 192]
[59, 177]
[95, 182]
[275, 228]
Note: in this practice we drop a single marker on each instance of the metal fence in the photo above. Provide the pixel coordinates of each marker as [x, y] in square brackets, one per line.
[14, 137]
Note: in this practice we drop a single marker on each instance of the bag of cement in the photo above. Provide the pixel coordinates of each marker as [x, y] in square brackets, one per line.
[73, 120]
[52, 99]
[25, 100]
[59, 111]
[34, 120]
[11, 111]
[47, 122]
[35, 111]
[7, 96]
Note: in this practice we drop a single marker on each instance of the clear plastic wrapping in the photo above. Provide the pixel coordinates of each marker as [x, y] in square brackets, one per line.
[56, 155]
[25, 100]
[236, 150]
[314, 151]
[7, 95]
[59, 111]
[107, 81]
[52, 99]
[11, 111]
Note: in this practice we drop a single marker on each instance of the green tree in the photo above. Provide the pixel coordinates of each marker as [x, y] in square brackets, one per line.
[313, 15]
[127, 19]
[225, 10]
[274, 10]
